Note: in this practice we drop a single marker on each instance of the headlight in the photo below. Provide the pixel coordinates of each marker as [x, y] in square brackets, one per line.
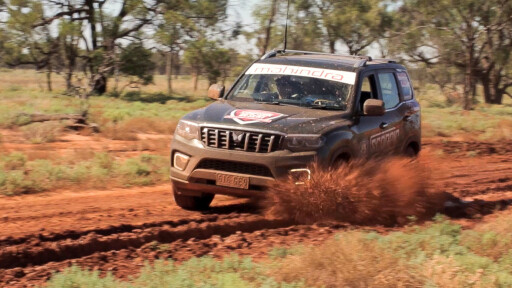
[304, 142]
[187, 130]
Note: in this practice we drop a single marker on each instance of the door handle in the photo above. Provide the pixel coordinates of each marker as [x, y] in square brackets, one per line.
[383, 125]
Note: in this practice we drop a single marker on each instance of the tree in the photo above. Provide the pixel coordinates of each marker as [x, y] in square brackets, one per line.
[476, 37]
[171, 34]
[25, 45]
[136, 63]
[357, 23]
[102, 30]
[206, 56]
[265, 14]
[70, 34]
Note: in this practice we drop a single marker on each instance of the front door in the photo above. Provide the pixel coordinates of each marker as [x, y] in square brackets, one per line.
[368, 128]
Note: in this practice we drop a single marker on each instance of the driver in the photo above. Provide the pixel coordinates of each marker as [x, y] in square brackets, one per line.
[287, 88]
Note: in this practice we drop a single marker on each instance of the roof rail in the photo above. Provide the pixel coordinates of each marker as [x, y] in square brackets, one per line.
[274, 53]
[384, 60]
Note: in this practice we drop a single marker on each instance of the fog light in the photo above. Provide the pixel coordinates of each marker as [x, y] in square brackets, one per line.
[300, 176]
[180, 161]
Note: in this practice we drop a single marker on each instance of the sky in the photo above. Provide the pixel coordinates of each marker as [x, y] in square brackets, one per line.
[238, 11]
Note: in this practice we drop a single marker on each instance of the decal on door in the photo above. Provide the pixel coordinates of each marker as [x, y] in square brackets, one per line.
[243, 116]
[364, 148]
[383, 139]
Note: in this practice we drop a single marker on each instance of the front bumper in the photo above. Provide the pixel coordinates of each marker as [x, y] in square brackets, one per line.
[196, 181]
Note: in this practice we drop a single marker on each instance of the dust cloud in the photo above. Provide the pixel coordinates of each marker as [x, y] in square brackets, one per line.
[378, 192]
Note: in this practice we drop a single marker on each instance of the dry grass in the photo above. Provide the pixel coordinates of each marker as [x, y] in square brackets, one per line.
[116, 131]
[350, 260]
[491, 239]
[22, 79]
[38, 133]
[147, 125]
[383, 192]
[128, 130]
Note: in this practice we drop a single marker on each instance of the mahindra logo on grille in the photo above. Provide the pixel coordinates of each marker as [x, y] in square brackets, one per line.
[244, 116]
[238, 137]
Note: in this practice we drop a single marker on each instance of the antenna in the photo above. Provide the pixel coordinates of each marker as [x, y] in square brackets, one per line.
[286, 27]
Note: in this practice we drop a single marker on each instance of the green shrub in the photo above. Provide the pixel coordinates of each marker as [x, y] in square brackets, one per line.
[20, 176]
[14, 161]
[74, 277]
[38, 133]
[232, 271]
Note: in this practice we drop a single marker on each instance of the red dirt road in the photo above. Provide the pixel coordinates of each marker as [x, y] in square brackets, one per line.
[116, 230]
[66, 210]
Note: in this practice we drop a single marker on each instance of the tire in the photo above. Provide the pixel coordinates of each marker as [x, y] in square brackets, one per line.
[410, 152]
[193, 203]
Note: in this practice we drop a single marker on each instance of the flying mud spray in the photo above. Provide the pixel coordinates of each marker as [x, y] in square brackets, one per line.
[378, 192]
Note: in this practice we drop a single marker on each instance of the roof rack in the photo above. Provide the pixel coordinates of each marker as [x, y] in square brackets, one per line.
[362, 59]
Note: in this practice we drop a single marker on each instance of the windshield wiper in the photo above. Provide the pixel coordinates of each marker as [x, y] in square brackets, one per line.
[271, 103]
[325, 107]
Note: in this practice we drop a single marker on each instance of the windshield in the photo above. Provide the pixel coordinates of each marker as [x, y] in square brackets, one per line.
[302, 91]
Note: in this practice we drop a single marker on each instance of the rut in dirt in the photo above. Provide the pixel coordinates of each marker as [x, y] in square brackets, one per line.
[38, 253]
[114, 229]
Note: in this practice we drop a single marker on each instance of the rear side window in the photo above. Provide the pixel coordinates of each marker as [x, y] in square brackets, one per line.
[389, 90]
[405, 84]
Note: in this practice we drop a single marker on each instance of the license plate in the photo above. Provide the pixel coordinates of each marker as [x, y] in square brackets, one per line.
[234, 181]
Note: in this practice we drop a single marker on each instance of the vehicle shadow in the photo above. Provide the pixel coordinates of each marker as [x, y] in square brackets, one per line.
[250, 206]
[458, 208]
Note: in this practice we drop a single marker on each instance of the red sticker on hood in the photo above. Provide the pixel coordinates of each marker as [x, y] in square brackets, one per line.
[242, 116]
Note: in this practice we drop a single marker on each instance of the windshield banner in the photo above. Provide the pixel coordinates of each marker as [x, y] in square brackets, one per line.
[327, 74]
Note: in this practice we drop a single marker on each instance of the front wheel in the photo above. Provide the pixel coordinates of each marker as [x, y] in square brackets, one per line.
[194, 203]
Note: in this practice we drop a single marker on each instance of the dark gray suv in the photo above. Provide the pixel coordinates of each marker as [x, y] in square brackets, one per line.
[285, 111]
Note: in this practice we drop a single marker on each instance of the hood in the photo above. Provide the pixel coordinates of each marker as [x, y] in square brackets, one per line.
[280, 118]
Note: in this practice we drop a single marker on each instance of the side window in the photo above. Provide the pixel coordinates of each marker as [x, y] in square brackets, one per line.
[405, 84]
[368, 90]
[389, 90]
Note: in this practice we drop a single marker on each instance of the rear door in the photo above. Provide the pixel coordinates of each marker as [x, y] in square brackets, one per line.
[392, 136]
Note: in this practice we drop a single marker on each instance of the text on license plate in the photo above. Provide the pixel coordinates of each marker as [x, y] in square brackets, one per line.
[234, 181]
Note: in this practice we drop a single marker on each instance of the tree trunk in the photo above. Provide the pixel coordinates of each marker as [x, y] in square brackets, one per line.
[49, 78]
[332, 43]
[168, 71]
[100, 85]
[196, 80]
[69, 85]
[177, 65]
[116, 70]
[468, 78]
[268, 29]
[492, 93]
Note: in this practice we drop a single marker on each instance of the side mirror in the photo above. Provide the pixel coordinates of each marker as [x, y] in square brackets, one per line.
[216, 91]
[373, 107]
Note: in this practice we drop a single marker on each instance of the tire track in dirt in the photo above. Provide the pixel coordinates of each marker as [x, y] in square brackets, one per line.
[122, 228]
[475, 177]
[126, 263]
[39, 253]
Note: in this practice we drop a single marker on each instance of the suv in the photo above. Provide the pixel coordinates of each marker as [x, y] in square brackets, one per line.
[286, 110]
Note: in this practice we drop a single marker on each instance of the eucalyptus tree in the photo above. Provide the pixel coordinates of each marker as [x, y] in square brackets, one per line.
[474, 36]
[357, 24]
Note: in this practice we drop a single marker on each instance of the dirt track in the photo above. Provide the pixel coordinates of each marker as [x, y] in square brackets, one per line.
[117, 230]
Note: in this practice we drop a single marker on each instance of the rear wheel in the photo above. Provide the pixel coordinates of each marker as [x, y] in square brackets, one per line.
[194, 203]
[410, 152]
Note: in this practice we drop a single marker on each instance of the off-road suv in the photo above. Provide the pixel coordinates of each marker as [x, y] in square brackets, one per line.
[285, 111]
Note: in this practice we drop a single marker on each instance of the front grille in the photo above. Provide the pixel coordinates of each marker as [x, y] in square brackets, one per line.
[235, 167]
[240, 140]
